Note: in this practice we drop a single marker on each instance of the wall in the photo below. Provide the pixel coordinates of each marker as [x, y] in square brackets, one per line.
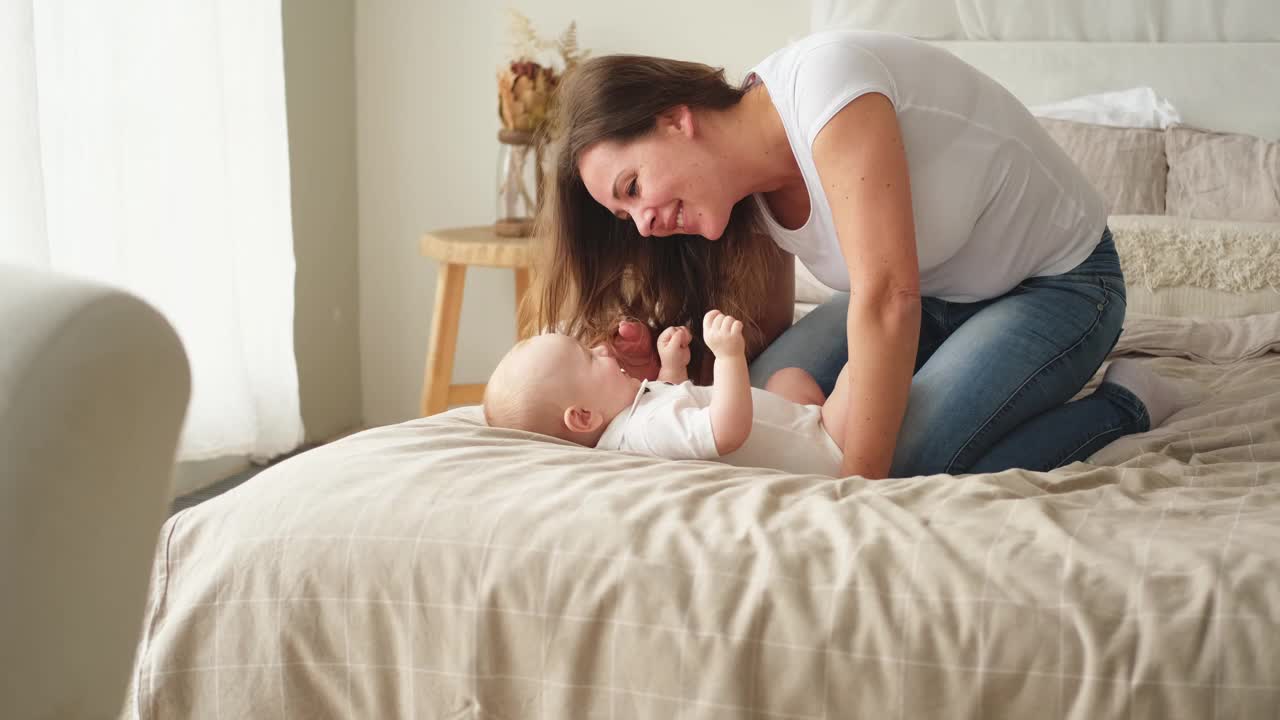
[426, 124]
[319, 58]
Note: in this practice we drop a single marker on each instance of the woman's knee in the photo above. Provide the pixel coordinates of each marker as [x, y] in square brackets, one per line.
[936, 428]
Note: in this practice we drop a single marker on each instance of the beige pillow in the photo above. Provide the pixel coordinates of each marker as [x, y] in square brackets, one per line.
[1222, 176]
[1125, 165]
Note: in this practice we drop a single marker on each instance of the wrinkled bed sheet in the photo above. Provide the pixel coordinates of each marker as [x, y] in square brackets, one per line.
[439, 568]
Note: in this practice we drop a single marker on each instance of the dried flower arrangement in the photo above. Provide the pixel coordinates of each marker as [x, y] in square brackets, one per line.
[526, 95]
[527, 84]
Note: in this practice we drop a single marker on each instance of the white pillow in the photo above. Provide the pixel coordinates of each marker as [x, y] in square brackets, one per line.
[1138, 107]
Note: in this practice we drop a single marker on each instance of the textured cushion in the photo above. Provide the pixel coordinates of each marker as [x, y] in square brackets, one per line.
[1222, 176]
[1177, 267]
[1199, 268]
[1125, 165]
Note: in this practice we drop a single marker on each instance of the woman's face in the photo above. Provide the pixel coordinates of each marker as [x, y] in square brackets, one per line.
[664, 181]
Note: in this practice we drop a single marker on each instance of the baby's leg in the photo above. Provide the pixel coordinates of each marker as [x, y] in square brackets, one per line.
[836, 408]
[795, 385]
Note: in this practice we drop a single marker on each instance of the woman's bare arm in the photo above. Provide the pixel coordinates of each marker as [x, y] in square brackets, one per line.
[862, 161]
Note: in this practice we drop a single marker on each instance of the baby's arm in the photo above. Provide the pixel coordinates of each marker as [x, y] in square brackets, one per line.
[731, 410]
[673, 349]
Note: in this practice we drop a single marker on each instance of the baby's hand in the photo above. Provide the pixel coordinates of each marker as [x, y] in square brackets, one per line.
[673, 347]
[723, 334]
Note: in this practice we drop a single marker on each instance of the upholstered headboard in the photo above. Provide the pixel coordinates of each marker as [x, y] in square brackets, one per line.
[1217, 62]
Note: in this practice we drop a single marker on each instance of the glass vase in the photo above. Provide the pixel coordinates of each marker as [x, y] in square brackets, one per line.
[518, 183]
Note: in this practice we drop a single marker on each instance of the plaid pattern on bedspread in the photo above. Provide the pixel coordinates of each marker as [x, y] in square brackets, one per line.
[441, 569]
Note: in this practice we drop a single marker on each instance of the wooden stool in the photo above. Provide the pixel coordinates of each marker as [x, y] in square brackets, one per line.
[456, 249]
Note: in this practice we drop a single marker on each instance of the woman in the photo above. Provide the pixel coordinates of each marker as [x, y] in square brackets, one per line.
[974, 252]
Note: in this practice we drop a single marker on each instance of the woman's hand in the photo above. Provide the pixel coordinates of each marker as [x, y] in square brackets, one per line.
[632, 346]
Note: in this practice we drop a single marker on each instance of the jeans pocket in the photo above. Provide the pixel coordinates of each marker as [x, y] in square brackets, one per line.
[1114, 286]
[1111, 313]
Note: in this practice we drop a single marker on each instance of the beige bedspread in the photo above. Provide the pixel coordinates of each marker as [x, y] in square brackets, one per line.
[441, 569]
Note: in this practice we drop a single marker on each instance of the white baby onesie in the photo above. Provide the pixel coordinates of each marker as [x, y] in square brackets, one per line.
[674, 422]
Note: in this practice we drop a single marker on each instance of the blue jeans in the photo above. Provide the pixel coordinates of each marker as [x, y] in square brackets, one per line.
[993, 378]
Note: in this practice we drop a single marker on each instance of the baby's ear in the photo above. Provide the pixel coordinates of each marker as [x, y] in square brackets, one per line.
[581, 420]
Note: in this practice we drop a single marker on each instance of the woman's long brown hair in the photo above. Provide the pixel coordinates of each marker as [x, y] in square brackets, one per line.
[593, 268]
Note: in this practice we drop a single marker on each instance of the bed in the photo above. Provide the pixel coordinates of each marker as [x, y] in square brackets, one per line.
[440, 568]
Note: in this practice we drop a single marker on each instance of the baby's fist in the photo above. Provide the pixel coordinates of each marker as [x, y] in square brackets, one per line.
[673, 347]
[723, 334]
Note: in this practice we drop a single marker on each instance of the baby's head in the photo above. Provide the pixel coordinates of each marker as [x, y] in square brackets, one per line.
[554, 385]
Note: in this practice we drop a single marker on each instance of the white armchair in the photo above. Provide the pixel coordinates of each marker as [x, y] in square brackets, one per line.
[93, 388]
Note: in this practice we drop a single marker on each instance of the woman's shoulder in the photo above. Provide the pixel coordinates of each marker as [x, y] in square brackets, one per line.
[813, 77]
[835, 57]
[834, 42]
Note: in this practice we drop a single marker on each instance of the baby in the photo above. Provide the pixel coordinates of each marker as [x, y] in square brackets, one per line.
[553, 385]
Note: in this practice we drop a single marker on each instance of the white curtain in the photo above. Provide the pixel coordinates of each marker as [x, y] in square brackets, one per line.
[143, 143]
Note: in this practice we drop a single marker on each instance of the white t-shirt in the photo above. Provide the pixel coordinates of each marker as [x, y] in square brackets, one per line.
[995, 200]
[674, 422]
